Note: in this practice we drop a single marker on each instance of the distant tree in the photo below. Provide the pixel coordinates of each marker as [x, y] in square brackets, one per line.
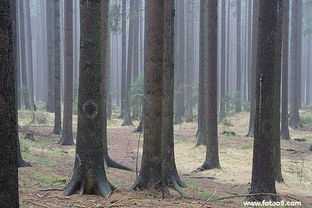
[268, 55]
[89, 174]
[202, 112]
[123, 58]
[127, 113]
[8, 113]
[67, 133]
[223, 62]
[253, 73]
[57, 79]
[285, 59]
[51, 54]
[296, 45]
[189, 63]
[239, 71]
[212, 152]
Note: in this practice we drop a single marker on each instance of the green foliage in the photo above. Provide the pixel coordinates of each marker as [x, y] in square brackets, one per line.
[207, 195]
[41, 117]
[41, 106]
[306, 120]
[63, 152]
[246, 147]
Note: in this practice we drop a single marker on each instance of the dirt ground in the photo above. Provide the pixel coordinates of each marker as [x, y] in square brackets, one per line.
[41, 185]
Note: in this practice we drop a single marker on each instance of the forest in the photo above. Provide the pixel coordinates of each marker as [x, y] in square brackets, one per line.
[155, 103]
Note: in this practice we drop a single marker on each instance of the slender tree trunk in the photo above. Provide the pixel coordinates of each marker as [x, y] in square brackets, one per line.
[190, 63]
[57, 79]
[308, 76]
[8, 113]
[238, 59]
[285, 59]
[223, 62]
[89, 174]
[151, 166]
[127, 113]
[294, 120]
[253, 69]
[67, 134]
[268, 54]
[228, 67]
[212, 152]
[124, 58]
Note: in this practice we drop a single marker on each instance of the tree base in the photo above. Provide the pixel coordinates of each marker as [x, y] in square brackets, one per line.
[139, 129]
[109, 163]
[201, 139]
[66, 142]
[23, 164]
[250, 134]
[177, 184]
[57, 131]
[254, 197]
[285, 136]
[208, 166]
[127, 122]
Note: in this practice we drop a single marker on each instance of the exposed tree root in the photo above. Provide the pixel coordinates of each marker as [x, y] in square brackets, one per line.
[284, 136]
[207, 166]
[139, 128]
[22, 163]
[109, 163]
[177, 185]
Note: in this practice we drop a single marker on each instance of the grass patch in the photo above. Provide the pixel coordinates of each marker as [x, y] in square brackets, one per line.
[306, 120]
[206, 195]
[180, 139]
[43, 162]
[48, 179]
[246, 147]
[62, 152]
[193, 185]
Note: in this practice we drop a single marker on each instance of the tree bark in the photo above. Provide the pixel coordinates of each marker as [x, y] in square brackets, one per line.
[67, 134]
[8, 113]
[124, 58]
[151, 166]
[285, 59]
[238, 107]
[212, 152]
[89, 174]
[223, 62]
[268, 54]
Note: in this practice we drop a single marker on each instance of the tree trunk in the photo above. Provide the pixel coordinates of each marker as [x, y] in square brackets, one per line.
[223, 62]
[51, 55]
[124, 58]
[202, 112]
[67, 134]
[253, 74]
[127, 113]
[8, 113]
[190, 63]
[151, 166]
[170, 175]
[238, 107]
[89, 174]
[268, 54]
[284, 114]
[294, 120]
[57, 79]
[211, 62]
[308, 76]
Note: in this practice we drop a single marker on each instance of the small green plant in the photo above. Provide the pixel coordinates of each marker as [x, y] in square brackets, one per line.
[63, 152]
[41, 117]
[227, 122]
[207, 195]
[246, 147]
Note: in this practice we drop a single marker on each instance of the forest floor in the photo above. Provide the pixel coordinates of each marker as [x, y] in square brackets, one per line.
[41, 184]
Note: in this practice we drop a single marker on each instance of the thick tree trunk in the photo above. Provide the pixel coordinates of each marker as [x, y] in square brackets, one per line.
[89, 174]
[151, 167]
[67, 134]
[253, 74]
[57, 79]
[127, 113]
[8, 113]
[212, 152]
[284, 114]
[170, 177]
[268, 52]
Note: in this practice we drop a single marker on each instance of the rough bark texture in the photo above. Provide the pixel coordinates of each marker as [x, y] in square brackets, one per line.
[263, 177]
[202, 112]
[8, 113]
[151, 166]
[89, 174]
[253, 69]
[294, 120]
[170, 177]
[212, 153]
[127, 113]
[57, 79]
[67, 134]
[284, 114]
